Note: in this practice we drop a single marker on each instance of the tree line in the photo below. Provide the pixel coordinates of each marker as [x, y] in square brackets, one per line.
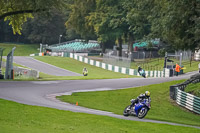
[175, 22]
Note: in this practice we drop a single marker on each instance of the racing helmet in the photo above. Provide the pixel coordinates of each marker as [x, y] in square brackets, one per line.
[147, 93]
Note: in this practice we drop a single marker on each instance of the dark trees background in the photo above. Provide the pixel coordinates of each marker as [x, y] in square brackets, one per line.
[176, 22]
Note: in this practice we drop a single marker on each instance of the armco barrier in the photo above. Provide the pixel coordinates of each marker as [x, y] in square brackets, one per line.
[184, 99]
[188, 101]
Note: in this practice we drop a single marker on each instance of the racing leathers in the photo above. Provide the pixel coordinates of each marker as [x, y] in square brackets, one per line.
[140, 98]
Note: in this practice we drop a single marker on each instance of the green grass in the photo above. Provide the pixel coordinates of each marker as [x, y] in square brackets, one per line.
[21, 49]
[115, 101]
[77, 66]
[20, 118]
[193, 89]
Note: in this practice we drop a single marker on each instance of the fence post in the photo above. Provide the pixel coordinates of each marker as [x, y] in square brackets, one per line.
[173, 92]
[9, 65]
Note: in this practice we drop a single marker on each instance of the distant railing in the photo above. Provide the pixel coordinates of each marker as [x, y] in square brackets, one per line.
[184, 99]
[117, 61]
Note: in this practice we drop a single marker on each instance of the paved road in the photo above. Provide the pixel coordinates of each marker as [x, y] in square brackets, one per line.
[43, 67]
[42, 93]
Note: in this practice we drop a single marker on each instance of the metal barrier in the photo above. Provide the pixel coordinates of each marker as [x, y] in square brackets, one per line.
[117, 61]
[20, 72]
[188, 101]
[9, 65]
[184, 99]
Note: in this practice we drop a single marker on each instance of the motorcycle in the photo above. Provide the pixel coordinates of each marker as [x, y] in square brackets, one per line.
[142, 73]
[139, 110]
[85, 73]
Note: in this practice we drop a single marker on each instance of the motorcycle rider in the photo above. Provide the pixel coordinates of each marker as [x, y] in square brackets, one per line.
[140, 98]
[85, 71]
[139, 69]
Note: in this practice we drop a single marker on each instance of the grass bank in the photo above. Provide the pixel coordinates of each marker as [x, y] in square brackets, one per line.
[115, 101]
[18, 118]
[77, 66]
[21, 49]
[193, 89]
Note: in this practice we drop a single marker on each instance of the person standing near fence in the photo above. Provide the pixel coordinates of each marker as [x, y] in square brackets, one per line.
[177, 69]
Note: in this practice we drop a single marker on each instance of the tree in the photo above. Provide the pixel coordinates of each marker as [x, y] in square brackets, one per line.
[137, 12]
[108, 22]
[45, 29]
[17, 11]
[119, 20]
[176, 22]
[90, 19]
[80, 10]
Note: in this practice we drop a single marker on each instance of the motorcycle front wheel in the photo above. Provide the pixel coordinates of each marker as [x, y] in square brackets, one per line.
[142, 113]
[126, 111]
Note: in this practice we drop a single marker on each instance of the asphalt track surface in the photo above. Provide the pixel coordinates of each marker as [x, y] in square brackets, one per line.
[43, 93]
[43, 67]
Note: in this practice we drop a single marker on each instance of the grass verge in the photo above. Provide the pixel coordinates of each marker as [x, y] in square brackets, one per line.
[18, 118]
[115, 101]
[193, 89]
[77, 66]
[21, 49]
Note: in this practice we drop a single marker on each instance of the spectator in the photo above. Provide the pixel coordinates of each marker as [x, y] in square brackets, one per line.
[177, 69]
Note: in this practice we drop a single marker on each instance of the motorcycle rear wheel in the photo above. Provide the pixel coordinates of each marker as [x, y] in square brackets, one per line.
[126, 112]
[142, 113]
[143, 75]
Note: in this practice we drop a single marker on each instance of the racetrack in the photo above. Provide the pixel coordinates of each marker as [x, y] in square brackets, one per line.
[43, 67]
[43, 93]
